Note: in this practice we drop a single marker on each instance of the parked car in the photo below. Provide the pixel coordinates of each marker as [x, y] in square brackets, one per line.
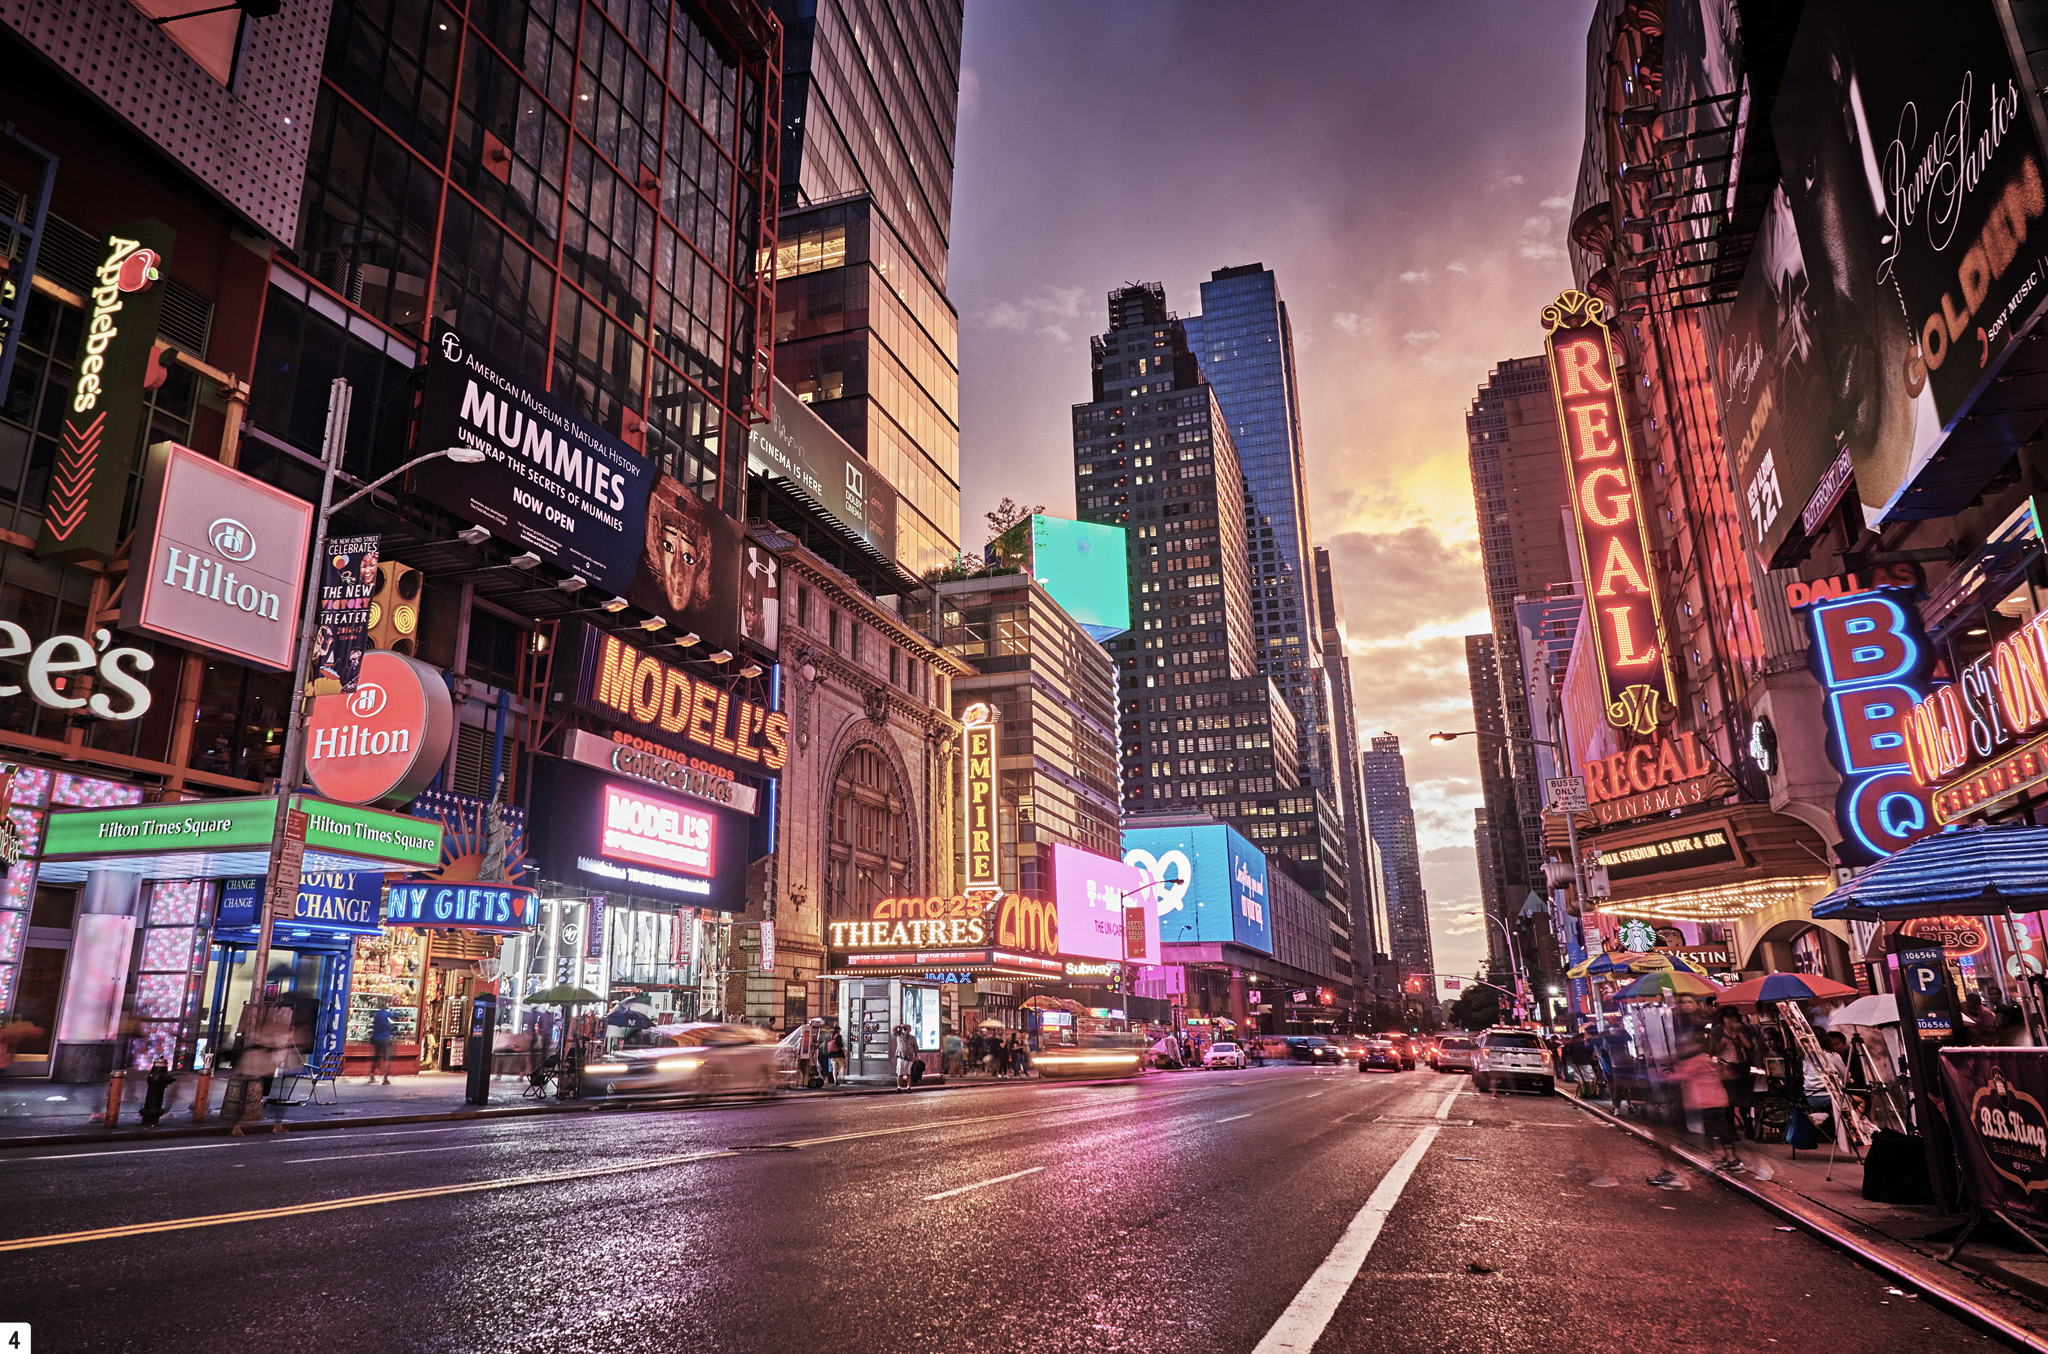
[692, 1059]
[1511, 1058]
[1312, 1048]
[1379, 1053]
[1108, 1054]
[1454, 1053]
[1223, 1053]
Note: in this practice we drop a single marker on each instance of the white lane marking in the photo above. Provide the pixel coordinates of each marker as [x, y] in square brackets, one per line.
[126, 1151]
[981, 1184]
[1311, 1095]
[1235, 1117]
[399, 1152]
[1305, 1319]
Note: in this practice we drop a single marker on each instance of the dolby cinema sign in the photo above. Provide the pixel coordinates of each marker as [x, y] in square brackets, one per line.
[220, 560]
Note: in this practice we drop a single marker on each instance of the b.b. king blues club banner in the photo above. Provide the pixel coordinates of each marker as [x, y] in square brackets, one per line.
[1997, 1102]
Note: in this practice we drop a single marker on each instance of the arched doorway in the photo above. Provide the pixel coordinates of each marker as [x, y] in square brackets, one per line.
[867, 858]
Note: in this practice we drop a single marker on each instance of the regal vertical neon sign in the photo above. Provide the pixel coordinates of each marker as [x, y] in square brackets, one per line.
[978, 767]
[1636, 683]
[1871, 658]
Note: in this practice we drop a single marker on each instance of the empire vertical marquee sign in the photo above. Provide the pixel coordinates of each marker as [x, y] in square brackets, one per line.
[1636, 682]
[103, 408]
[978, 765]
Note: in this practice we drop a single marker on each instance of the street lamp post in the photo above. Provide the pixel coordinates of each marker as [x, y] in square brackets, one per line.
[1514, 954]
[290, 768]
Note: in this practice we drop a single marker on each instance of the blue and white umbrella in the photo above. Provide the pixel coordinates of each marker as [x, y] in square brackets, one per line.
[1974, 872]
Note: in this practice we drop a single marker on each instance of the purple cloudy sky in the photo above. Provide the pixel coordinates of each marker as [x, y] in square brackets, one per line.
[1406, 171]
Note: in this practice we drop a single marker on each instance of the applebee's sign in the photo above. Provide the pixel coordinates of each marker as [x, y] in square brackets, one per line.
[56, 664]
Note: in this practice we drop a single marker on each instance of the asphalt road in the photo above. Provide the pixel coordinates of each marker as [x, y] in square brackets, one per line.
[1275, 1209]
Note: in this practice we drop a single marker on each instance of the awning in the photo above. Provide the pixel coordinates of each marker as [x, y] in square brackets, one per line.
[229, 838]
[1718, 864]
[970, 964]
[1971, 872]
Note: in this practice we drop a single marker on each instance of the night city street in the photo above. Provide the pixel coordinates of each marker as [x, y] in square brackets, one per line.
[1176, 1213]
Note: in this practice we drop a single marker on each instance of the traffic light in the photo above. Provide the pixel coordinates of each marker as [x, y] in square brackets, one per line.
[395, 608]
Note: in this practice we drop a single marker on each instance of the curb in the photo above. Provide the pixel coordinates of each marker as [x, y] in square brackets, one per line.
[1928, 1281]
[266, 1127]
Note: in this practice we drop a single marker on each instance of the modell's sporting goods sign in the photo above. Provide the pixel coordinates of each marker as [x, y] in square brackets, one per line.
[102, 419]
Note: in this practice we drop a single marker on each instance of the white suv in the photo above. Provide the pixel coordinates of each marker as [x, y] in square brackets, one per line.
[1509, 1058]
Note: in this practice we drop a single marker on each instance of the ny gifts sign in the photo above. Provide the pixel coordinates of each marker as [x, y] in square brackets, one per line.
[1636, 682]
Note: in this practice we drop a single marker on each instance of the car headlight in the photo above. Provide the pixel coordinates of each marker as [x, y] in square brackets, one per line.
[678, 1064]
[604, 1069]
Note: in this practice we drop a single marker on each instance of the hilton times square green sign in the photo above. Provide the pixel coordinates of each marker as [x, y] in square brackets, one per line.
[240, 825]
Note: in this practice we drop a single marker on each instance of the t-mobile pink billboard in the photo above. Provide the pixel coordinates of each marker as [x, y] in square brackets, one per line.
[1092, 893]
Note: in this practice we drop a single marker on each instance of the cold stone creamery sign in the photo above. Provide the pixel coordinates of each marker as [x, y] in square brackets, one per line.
[383, 742]
[1636, 684]
[220, 560]
[103, 417]
[1980, 741]
[978, 768]
[552, 482]
[629, 687]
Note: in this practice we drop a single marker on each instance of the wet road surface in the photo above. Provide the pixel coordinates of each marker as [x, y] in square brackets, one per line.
[1276, 1209]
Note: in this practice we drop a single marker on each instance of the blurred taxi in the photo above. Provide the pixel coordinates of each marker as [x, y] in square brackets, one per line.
[1106, 1054]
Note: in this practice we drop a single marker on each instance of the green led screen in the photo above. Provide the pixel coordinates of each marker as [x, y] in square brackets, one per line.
[1086, 568]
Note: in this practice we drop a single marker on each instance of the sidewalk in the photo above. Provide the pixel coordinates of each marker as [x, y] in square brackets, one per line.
[2003, 1290]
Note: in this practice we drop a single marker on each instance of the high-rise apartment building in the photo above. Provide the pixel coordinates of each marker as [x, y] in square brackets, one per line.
[1202, 728]
[864, 333]
[1246, 347]
[1520, 494]
[1503, 874]
[1368, 900]
[1390, 819]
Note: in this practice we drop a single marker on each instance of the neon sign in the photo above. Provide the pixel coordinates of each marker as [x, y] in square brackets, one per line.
[978, 768]
[1871, 658]
[1959, 739]
[1670, 773]
[1636, 682]
[660, 832]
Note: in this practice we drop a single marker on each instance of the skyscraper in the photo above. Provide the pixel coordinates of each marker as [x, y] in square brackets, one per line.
[1202, 728]
[1503, 875]
[864, 333]
[1246, 348]
[1390, 819]
[1368, 927]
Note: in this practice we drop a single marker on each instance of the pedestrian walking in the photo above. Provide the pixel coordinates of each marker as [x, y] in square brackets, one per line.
[1020, 1057]
[383, 1029]
[906, 1054]
[977, 1051]
[1734, 1051]
[956, 1054]
[831, 1061]
[807, 1048]
[998, 1058]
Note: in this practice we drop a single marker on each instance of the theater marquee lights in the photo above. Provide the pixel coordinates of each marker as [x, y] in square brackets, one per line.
[1636, 681]
[978, 792]
[1980, 740]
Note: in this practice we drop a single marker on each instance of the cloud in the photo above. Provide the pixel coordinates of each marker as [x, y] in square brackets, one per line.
[1538, 240]
[1555, 203]
[1414, 275]
[970, 91]
[1041, 314]
[1415, 338]
[1352, 323]
[1509, 181]
[1456, 266]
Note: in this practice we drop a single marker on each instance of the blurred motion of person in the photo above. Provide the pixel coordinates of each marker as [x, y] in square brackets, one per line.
[807, 1051]
[382, 1031]
[906, 1054]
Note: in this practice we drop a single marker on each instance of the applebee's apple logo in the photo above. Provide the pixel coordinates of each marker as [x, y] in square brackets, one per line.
[1172, 890]
[368, 700]
[139, 271]
[231, 540]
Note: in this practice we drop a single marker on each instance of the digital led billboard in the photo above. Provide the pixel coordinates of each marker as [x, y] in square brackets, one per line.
[1086, 568]
[1208, 884]
[1093, 893]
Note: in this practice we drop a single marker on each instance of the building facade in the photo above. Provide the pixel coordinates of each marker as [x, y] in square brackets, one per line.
[1390, 821]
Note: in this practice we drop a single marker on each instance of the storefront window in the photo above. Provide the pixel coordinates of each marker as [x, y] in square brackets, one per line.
[388, 977]
[868, 858]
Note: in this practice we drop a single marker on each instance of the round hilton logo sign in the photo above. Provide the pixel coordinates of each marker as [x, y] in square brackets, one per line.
[383, 742]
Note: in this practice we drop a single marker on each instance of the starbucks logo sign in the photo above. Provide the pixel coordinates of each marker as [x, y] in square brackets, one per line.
[1638, 936]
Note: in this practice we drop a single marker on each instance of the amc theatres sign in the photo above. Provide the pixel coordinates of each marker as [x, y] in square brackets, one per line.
[383, 742]
[1636, 682]
[220, 560]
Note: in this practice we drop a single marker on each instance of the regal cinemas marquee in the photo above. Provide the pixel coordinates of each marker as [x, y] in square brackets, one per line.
[985, 935]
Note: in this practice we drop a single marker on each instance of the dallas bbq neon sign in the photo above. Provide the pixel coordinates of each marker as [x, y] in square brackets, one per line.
[1871, 658]
[1636, 682]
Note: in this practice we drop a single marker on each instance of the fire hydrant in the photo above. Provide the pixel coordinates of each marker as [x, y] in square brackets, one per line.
[159, 1085]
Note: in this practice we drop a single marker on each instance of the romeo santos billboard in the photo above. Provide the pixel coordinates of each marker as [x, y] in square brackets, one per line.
[1636, 683]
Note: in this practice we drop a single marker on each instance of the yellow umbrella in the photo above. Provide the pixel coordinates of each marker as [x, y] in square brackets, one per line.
[1608, 965]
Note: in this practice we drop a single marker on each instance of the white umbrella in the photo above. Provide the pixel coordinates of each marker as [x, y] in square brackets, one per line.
[1872, 1010]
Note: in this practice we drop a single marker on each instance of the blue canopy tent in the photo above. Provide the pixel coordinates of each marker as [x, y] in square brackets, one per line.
[1974, 872]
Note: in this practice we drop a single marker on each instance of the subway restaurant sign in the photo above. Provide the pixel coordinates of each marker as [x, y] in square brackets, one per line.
[240, 825]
